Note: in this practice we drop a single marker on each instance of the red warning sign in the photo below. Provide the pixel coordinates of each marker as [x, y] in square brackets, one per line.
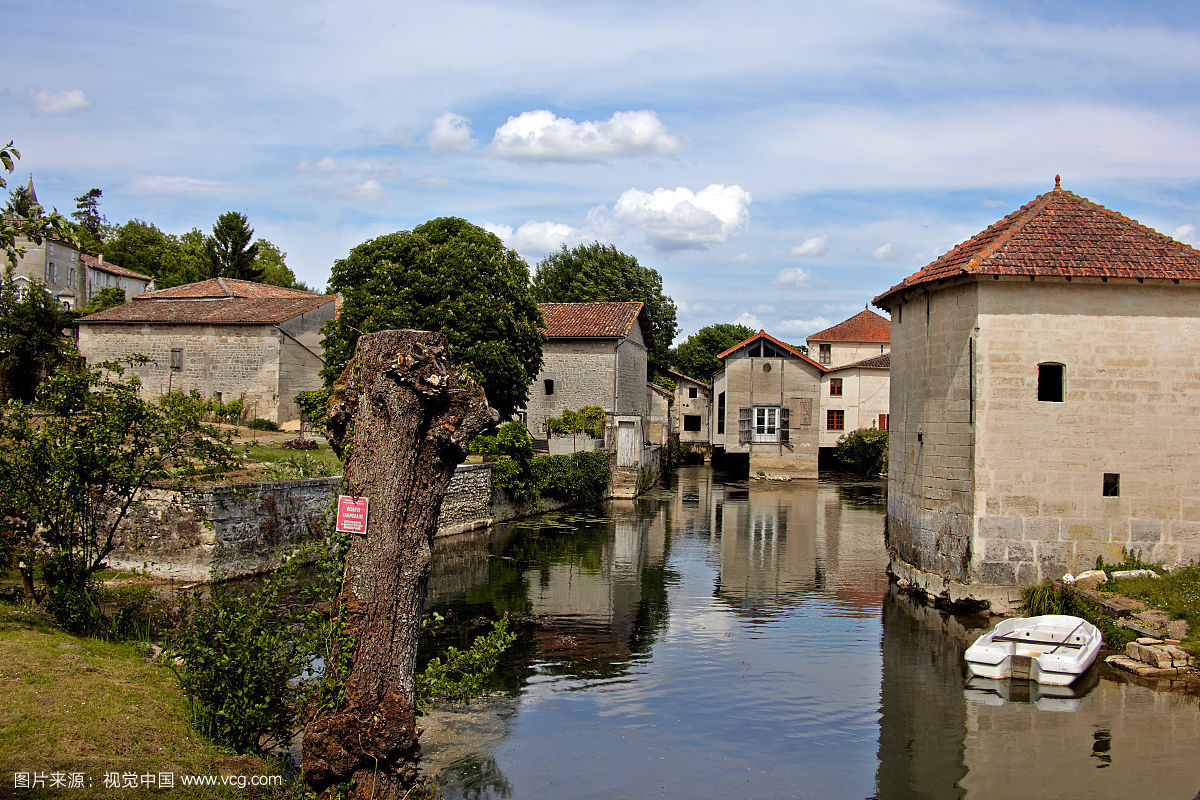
[352, 514]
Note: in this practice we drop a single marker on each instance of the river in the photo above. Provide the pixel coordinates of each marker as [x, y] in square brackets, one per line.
[741, 640]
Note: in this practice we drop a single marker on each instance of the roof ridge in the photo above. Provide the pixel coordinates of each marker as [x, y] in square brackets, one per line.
[1031, 210]
[225, 286]
[764, 335]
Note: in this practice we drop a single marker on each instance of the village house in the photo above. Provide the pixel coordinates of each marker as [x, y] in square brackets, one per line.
[54, 266]
[692, 411]
[594, 355]
[222, 337]
[1045, 402]
[768, 398]
[100, 275]
[854, 388]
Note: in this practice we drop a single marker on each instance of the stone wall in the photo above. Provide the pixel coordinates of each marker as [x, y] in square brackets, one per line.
[582, 372]
[865, 395]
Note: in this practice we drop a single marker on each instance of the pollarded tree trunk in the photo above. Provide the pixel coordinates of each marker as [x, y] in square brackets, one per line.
[401, 420]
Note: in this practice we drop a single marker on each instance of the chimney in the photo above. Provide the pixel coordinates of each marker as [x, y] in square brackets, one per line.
[100, 259]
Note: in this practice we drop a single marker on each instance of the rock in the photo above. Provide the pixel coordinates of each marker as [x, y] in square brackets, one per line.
[1135, 573]
[1177, 629]
[1148, 640]
[1179, 656]
[1090, 579]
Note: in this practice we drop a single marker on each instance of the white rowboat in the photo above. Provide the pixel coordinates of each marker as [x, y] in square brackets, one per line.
[1053, 650]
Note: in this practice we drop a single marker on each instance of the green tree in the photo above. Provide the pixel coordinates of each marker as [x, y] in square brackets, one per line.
[696, 355]
[271, 262]
[450, 276]
[232, 250]
[90, 226]
[592, 273]
[31, 339]
[107, 297]
[74, 462]
[170, 260]
[24, 218]
[863, 452]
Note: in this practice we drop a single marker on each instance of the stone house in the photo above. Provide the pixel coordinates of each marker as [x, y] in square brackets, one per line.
[55, 266]
[768, 398]
[100, 275]
[594, 355]
[854, 389]
[222, 337]
[1045, 402]
[692, 409]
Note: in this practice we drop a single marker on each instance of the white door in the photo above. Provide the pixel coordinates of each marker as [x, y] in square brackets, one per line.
[628, 446]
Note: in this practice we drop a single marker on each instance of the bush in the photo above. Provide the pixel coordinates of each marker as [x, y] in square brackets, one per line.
[312, 407]
[73, 595]
[1051, 597]
[863, 452]
[260, 424]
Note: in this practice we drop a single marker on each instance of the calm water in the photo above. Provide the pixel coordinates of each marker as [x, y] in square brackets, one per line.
[741, 641]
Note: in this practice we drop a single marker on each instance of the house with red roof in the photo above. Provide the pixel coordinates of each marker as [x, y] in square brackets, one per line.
[1045, 402]
[222, 337]
[766, 413]
[104, 275]
[594, 355]
[856, 385]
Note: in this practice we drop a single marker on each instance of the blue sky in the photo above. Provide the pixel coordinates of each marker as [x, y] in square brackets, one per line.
[779, 163]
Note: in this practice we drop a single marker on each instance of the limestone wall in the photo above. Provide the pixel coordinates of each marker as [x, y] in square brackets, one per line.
[582, 372]
[1131, 408]
[930, 444]
[632, 397]
[865, 395]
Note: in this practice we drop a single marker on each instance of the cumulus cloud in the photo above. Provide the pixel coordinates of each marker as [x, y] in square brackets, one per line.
[793, 277]
[885, 250]
[542, 136]
[686, 309]
[369, 190]
[805, 326]
[1184, 233]
[749, 320]
[62, 102]
[172, 184]
[451, 133]
[679, 219]
[536, 238]
[811, 248]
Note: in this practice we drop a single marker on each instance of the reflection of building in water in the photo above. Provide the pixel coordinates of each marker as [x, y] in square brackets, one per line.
[777, 543]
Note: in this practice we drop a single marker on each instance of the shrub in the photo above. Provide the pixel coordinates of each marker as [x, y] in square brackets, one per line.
[261, 424]
[312, 407]
[587, 421]
[73, 595]
[863, 452]
[458, 675]
[1050, 597]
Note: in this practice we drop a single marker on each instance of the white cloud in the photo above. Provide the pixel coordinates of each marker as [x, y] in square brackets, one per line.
[686, 309]
[536, 238]
[542, 136]
[62, 102]
[805, 326]
[749, 320]
[173, 184]
[679, 219]
[743, 258]
[369, 190]
[816, 246]
[331, 166]
[1185, 233]
[451, 133]
[765, 308]
[885, 250]
[794, 277]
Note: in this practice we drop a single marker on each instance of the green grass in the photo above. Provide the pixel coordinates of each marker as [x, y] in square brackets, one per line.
[1178, 595]
[73, 704]
[1050, 597]
[270, 455]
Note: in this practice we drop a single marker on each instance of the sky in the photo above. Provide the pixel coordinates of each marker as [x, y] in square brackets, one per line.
[778, 163]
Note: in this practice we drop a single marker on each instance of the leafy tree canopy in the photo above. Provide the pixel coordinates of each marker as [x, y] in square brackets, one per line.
[31, 339]
[450, 276]
[170, 260]
[696, 355]
[595, 273]
[231, 253]
[107, 297]
[270, 261]
[23, 217]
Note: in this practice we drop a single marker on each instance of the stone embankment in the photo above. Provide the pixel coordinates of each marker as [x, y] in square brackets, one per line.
[1155, 658]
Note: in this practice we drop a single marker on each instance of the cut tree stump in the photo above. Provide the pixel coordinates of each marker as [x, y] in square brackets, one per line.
[400, 418]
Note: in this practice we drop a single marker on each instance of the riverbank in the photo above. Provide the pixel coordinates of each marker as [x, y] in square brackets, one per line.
[82, 711]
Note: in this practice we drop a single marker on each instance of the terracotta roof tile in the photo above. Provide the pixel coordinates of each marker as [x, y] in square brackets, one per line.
[94, 262]
[764, 335]
[591, 320]
[865, 326]
[225, 287]
[215, 311]
[882, 361]
[1060, 234]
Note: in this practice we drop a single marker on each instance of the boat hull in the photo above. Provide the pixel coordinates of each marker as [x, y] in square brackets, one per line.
[1053, 650]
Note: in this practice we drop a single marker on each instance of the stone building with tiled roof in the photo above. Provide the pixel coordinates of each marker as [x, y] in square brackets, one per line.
[594, 355]
[103, 275]
[855, 388]
[864, 335]
[221, 337]
[1045, 402]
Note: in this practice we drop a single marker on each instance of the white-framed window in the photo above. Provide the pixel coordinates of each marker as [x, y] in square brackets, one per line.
[766, 423]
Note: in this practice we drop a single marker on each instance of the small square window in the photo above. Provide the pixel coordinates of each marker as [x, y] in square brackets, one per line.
[692, 391]
[548, 385]
[835, 387]
[1112, 484]
[1051, 383]
[691, 422]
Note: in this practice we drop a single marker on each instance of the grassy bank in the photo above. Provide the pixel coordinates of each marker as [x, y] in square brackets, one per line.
[77, 705]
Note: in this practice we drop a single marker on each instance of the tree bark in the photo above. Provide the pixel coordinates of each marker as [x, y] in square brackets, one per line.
[401, 419]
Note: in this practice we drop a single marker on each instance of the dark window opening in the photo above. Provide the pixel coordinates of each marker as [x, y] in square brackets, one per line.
[549, 385]
[691, 391]
[1051, 383]
[835, 387]
[1112, 484]
[177, 358]
[721, 413]
[691, 422]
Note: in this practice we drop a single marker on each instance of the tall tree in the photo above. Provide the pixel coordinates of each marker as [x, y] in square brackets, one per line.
[696, 355]
[31, 340]
[445, 275]
[591, 273]
[232, 250]
[170, 260]
[89, 224]
[272, 263]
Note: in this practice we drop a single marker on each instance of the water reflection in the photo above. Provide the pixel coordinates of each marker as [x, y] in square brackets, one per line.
[741, 640]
